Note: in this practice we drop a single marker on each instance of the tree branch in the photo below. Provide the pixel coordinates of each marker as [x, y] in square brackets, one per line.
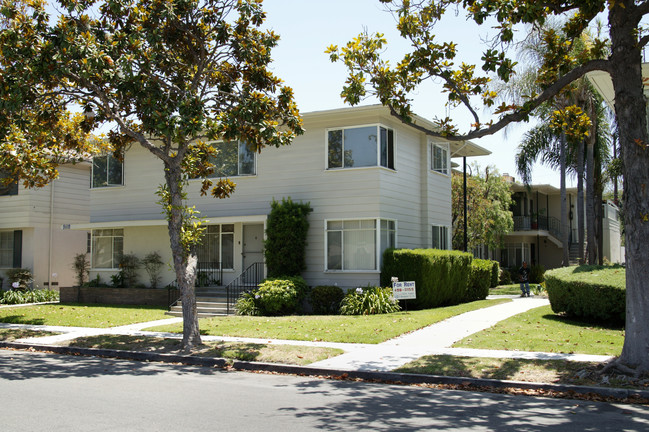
[521, 113]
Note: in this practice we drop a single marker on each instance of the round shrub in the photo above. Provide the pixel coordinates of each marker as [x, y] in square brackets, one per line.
[279, 296]
[536, 274]
[495, 274]
[325, 299]
[505, 277]
[247, 305]
[369, 301]
[591, 293]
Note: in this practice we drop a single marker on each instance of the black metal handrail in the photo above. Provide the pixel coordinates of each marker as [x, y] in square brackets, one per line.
[249, 279]
[173, 294]
[208, 274]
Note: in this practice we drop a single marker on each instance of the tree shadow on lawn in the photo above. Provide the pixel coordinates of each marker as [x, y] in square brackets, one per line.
[20, 319]
[550, 371]
[574, 321]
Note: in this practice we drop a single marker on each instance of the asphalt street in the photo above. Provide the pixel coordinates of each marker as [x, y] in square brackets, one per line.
[43, 392]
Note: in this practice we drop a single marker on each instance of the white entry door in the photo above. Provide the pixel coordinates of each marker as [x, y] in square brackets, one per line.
[253, 244]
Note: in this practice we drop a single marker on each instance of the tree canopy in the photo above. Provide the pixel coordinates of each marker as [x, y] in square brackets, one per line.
[172, 77]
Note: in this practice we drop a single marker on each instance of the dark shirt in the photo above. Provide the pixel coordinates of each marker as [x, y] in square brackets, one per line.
[524, 273]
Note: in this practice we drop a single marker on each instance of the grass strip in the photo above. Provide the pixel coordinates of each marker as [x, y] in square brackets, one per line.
[81, 315]
[541, 330]
[284, 354]
[330, 328]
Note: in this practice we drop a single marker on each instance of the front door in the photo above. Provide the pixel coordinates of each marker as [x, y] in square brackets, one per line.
[253, 244]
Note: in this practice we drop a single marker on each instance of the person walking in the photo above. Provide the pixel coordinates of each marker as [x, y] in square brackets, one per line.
[524, 279]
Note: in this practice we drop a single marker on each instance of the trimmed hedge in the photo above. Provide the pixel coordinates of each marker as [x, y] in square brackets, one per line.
[441, 276]
[495, 274]
[325, 299]
[593, 293]
[479, 280]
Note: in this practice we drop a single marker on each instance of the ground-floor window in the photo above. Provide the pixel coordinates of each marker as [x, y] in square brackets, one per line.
[440, 237]
[6, 249]
[513, 254]
[358, 244]
[217, 248]
[107, 248]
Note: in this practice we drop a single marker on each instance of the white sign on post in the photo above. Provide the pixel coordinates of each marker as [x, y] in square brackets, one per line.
[404, 290]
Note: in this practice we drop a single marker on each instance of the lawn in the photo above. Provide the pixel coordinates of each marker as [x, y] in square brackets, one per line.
[541, 330]
[285, 354]
[81, 315]
[331, 328]
[10, 335]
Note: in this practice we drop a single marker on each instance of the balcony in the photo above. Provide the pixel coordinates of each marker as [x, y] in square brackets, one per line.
[544, 223]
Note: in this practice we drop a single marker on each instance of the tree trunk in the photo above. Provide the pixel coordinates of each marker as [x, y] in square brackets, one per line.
[184, 263]
[580, 199]
[565, 228]
[630, 109]
[591, 242]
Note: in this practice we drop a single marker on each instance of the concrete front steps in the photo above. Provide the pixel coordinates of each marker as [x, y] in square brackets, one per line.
[210, 301]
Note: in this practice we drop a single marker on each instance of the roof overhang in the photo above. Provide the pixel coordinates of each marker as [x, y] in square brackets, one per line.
[602, 82]
[163, 222]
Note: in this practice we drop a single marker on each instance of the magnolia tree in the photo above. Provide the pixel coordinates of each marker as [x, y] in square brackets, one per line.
[171, 77]
[467, 86]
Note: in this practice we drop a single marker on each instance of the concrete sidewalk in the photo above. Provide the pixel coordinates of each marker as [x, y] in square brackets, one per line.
[435, 339]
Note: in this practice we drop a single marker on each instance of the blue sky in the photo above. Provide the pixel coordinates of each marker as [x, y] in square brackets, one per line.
[308, 27]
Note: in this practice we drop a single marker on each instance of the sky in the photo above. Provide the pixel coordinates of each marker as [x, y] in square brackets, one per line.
[308, 27]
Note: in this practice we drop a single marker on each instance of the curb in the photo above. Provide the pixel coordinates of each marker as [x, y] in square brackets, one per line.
[476, 384]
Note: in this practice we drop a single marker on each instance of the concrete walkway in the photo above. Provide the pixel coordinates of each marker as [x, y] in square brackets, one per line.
[435, 339]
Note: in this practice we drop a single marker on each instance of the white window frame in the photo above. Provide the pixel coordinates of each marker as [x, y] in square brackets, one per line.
[433, 163]
[378, 127]
[220, 240]
[443, 234]
[115, 233]
[377, 243]
[238, 174]
[109, 158]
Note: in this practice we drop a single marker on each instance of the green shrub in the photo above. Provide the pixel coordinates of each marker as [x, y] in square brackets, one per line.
[325, 299]
[29, 296]
[505, 277]
[248, 305]
[19, 278]
[128, 265]
[441, 276]
[495, 274]
[81, 267]
[536, 274]
[275, 296]
[152, 263]
[593, 293]
[286, 230]
[369, 301]
[479, 280]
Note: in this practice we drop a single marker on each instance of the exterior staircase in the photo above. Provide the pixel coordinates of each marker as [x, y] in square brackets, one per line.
[574, 253]
[210, 301]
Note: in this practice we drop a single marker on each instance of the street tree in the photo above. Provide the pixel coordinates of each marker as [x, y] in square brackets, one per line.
[431, 59]
[172, 77]
[489, 216]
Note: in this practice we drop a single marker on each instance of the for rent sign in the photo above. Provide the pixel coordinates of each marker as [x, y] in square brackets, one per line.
[404, 290]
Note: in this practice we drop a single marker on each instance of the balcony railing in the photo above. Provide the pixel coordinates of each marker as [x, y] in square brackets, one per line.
[543, 223]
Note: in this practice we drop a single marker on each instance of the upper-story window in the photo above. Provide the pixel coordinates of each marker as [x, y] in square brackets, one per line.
[233, 158]
[107, 171]
[364, 146]
[439, 158]
[7, 187]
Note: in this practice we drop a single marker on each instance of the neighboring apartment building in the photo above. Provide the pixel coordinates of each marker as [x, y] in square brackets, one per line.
[31, 227]
[373, 183]
[536, 237]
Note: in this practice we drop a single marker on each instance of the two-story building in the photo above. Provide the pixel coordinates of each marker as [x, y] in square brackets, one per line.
[372, 181]
[31, 227]
[537, 234]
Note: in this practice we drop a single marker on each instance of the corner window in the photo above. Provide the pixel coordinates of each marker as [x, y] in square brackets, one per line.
[233, 158]
[439, 158]
[360, 147]
[352, 244]
[107, 171]
[107, 248]
[7, 186]
[440, 237]
[216, 251]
